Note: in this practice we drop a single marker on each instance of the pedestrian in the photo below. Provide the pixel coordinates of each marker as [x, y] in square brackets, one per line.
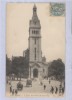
[7, 81]
[41, 83]
[52, 89]
[13, 92]
[49, 81]
[56, 91]
[44, 87]
[10, 88]
[62, 90]
[16, 92]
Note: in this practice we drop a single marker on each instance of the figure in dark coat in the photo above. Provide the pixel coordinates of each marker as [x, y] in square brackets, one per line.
[44, 87]
[56, 91]
[52, 89]
[10, 89]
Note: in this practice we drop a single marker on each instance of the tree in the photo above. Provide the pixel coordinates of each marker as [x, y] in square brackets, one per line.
[57, 69]
[20, 67]
[8, 66]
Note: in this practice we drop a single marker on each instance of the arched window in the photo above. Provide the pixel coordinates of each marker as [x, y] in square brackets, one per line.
[35, 53]
[32, 31]
[35, 40]
[36, 32]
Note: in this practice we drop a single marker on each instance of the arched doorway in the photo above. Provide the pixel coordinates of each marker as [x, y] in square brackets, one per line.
[35, 73]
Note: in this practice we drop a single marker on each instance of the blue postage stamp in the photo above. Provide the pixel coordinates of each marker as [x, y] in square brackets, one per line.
[57, 9]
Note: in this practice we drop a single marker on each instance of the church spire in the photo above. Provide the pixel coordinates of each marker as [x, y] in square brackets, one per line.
[35, 17]
[34, 10]
[34, 22]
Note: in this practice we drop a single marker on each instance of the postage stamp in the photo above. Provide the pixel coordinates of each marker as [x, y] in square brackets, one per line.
[57, 9]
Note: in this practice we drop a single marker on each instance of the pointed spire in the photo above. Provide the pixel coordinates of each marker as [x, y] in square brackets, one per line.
[34, 9]
[35, 21]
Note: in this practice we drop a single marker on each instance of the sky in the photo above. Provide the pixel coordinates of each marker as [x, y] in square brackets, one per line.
[18, 16]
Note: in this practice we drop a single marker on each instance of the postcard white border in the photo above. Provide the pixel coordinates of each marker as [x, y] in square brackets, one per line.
[68, 95]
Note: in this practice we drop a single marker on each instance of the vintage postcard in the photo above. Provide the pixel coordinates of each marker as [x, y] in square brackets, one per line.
[35, 49]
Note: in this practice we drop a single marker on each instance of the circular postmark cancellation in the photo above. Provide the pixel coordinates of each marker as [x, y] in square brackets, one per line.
[57, 9]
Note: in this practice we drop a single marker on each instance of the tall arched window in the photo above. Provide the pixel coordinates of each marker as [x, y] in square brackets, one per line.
[32, 31]
[35, 40]
[35, 53]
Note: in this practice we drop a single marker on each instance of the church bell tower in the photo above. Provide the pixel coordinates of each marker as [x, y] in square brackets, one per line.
[35, 54]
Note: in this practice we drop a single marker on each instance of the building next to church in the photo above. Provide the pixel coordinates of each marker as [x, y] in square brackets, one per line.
[37, 64]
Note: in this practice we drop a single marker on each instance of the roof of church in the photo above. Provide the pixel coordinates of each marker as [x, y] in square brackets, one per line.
[39, 64]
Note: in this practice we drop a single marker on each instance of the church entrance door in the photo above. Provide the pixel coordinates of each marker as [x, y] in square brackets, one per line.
[35, 73]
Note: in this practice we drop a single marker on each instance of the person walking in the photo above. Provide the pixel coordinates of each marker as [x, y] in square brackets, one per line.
[10, 88]
[56, 91]
[52, 89]
[49, 81]
[44, 87]
[60, 89]
[41, 83]
[13, 92]
[16, 92]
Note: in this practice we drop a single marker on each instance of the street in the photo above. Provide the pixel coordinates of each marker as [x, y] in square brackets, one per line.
[36, 87]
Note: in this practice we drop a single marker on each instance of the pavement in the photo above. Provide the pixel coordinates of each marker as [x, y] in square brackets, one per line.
[36, 88]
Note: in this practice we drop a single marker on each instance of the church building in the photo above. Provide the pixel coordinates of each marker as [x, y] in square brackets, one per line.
[37, 64]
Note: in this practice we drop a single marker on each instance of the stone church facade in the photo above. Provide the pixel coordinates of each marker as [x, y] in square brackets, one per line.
[37, 64]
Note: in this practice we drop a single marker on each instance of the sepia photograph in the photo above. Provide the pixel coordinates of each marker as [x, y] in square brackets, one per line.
[35, 49]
